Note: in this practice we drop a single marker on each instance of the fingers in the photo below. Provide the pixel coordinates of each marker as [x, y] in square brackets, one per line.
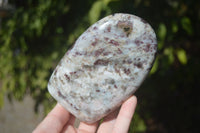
[54, 121]
[125, 115]
[69, 129]
[108, 122]
[59, 118]
[69, 126]
[71, 120]
[89, 128]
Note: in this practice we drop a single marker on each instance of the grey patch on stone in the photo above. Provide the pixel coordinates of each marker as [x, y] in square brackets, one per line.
[105, 66]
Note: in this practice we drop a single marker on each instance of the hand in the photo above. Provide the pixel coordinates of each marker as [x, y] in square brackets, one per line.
[59, 120]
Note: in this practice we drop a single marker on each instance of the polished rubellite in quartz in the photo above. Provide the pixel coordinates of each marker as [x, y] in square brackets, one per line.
[105, 66]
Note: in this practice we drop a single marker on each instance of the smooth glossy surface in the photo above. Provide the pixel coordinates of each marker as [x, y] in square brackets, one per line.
[106, 65]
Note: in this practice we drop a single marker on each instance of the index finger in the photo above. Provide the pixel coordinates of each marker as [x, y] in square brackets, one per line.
[54, 121]
[125, 115]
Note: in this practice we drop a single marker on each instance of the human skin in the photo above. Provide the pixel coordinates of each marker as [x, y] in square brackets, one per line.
[59, 120]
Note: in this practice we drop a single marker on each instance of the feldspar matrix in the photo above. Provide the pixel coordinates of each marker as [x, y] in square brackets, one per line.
[107, 63]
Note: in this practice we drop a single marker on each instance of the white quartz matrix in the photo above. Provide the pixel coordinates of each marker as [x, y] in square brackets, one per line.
[105, 66]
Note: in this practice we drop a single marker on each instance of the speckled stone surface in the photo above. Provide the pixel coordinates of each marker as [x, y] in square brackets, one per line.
[105, 66]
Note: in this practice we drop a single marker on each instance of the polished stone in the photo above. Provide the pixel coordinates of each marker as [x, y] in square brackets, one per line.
[105, 66]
